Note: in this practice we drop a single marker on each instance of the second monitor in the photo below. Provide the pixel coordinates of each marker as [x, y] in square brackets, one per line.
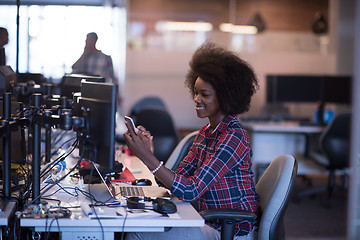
[71, 83]
[97, 105]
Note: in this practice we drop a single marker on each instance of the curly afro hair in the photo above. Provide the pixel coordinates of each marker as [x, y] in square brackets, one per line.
[232, 78]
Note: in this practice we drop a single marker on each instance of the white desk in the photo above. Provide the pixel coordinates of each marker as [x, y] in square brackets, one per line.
[79, 226]
[7, 214]
[271, 139]
[282, 127]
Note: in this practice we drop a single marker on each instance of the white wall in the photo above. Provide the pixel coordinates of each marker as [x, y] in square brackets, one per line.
[161, 72]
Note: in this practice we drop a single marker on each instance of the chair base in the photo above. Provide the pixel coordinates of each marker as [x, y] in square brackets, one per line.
[330, 188]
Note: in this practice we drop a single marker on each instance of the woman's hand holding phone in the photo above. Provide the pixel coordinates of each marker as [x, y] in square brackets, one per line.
[130, 122]
[132, 129]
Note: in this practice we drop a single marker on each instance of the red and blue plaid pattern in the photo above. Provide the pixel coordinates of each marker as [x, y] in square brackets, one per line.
[217, 171]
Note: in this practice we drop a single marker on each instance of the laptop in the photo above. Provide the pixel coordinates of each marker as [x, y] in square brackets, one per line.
[119, 199]
[120, 190]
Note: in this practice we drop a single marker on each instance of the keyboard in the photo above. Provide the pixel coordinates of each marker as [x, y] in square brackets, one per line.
[128, 191]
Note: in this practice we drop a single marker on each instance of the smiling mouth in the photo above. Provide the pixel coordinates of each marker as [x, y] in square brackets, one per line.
[199, 108]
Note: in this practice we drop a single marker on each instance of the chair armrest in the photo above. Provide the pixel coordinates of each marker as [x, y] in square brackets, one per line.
[227, 214]
[227, 217]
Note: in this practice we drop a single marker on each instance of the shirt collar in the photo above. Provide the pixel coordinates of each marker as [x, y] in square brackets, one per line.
[222, 125]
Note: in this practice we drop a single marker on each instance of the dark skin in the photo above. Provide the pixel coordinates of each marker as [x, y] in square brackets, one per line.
[141, 145]
[90, 48]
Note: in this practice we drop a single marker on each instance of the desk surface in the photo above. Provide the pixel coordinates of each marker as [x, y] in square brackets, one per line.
[138, 169]
[7, 213]
[186, 215]
[271, 139]
[281, 127]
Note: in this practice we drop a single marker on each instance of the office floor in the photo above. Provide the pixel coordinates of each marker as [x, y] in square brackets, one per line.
[311, 218]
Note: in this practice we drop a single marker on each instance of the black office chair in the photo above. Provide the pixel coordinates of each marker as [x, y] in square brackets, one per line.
[147, 102]
[160, 124]
[181, 150]
[274, 188]
[333, 153]
[143, 103]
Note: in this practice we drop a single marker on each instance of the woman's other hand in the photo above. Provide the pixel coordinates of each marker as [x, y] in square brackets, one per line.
[141, 143]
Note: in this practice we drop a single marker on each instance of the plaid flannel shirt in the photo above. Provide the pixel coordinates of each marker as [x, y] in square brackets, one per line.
[98, 64]
[217, 172]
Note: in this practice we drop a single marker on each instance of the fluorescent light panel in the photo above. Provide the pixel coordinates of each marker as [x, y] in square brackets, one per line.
[240, 29]
[162, 26]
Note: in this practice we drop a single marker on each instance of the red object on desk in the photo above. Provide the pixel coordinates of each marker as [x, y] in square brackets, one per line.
[84, 163]
[127, 151]
[126, 177]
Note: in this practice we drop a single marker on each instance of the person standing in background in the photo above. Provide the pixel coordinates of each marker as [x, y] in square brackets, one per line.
[4, 39]
[94, 62]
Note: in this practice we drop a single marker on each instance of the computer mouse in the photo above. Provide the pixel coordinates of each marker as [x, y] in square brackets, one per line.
[162, 205]
[142, 182]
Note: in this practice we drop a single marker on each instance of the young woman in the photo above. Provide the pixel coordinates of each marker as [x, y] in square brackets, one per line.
[216, 173]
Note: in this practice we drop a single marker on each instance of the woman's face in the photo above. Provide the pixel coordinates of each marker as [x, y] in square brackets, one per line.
[206, 102]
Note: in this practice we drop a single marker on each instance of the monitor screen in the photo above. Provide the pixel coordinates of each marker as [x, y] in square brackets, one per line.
[71, 83]
[97, 105]
[292, 88]
[337, 89]
[308, 89]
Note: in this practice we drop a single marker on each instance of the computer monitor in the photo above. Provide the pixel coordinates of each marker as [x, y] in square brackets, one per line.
[308, 89]
[337, 89]
[38, 78]
[319, 89]
[98, 104]
[292, 88]
[71, 83]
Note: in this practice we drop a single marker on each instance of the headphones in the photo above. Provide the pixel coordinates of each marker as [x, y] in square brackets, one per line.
[159, 205]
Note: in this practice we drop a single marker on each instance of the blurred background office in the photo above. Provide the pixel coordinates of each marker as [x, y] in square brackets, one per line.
[149, 54]
[150, 46]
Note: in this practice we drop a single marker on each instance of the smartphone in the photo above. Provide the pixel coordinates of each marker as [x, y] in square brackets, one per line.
[131, 121]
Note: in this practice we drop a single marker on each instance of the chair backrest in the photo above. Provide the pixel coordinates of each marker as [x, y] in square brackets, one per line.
[274, 189]
[147, 102]
[181, 151]
[161, 126]
[335, 141]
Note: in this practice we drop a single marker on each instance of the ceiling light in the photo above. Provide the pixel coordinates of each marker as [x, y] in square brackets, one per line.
[162, 26]
[239, 29]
